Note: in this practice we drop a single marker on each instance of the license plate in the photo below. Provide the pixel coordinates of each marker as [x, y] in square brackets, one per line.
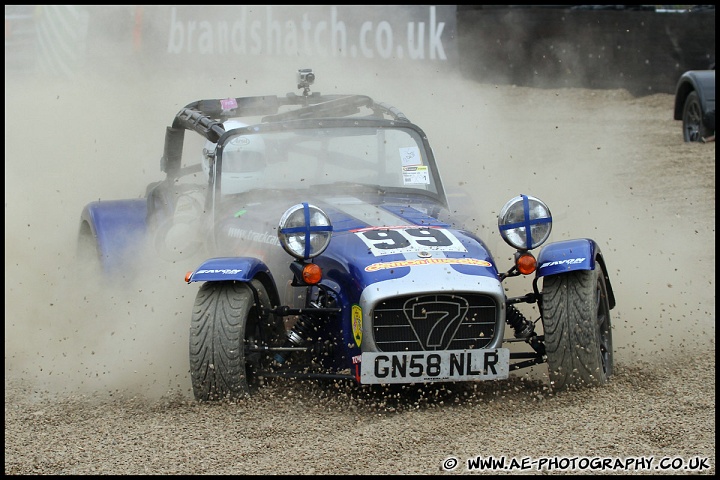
[439, 366]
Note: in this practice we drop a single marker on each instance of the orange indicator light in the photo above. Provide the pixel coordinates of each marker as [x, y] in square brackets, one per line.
[526, 263]
[311, 273]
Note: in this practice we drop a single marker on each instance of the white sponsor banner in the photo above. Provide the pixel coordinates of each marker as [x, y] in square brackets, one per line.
[371, 32]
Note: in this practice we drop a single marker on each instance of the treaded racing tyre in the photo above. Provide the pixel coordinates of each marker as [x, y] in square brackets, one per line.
[577, 328]
[225, 320]
[692, 119]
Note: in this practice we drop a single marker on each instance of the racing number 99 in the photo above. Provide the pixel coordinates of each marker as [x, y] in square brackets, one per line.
[392, 239]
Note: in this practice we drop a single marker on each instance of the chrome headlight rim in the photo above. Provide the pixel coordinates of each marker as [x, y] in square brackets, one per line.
[525, 222]
[304, 231]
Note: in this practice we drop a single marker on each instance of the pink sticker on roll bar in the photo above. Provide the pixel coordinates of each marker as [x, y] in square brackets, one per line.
[228, 103]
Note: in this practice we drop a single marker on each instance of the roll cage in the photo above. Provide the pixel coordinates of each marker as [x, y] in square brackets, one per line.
[206, 117]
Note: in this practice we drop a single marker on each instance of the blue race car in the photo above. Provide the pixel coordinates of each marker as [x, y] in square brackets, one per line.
[328, 251]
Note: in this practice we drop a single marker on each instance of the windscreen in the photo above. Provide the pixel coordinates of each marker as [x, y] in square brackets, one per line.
[340, 155]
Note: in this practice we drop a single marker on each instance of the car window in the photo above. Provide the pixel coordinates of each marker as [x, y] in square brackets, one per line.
[300, 159]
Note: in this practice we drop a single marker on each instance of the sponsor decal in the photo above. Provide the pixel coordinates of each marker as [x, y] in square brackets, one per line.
[228, 104]
[224, 271]
[356, 317]
[239, 141]
[416, 175]
[251, 236]
[427, 261]
[569, 261]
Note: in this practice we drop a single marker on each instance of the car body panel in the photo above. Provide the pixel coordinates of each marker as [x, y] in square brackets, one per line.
[223, 269]
[565, 256]
[700, 81]
[118, 226]
[572, 255]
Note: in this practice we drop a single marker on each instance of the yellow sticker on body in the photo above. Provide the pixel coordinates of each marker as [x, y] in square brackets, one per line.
[356, 314]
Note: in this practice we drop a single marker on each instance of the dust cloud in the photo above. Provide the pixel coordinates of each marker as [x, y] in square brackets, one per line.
[611, 167]
[96, 369]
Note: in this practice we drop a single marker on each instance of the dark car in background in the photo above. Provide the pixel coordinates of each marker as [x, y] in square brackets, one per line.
[694, 100]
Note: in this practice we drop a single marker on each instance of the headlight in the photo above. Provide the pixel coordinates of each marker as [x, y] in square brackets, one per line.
[304, 231]
[525, 222]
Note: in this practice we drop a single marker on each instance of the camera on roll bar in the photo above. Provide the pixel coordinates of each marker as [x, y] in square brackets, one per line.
[305, 78]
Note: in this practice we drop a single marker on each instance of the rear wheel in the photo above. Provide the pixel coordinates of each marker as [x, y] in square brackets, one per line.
[226, 324]
[175, 219]
[693, 128]
[87, 253]
[577, 328]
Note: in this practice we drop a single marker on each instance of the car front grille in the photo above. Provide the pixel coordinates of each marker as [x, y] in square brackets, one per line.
[434, 322]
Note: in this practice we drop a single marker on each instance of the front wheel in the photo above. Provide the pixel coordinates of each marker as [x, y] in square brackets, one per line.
[693, 128]
[577, 328]
[227, 330]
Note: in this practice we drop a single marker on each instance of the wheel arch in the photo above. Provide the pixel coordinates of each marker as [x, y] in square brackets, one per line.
[570, 255]
[683, 90]
[700, 81]
[239, 269]
[115, 226]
